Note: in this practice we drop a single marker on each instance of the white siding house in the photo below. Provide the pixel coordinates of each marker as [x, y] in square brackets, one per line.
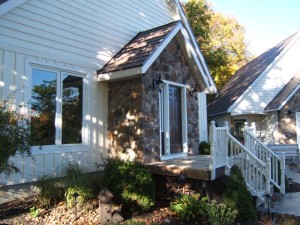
[72, 39]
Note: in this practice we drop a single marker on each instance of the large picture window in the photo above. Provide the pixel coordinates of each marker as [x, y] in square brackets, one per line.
[57, 107]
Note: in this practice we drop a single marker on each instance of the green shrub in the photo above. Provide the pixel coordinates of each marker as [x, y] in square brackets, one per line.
[15, 135]
[220, 214]
[204, 148]
[189, 207]
[237, 197]
[130, 183]
[50, 192]
[76, 181]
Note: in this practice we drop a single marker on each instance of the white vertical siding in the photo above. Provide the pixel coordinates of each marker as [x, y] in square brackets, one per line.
[15, 77]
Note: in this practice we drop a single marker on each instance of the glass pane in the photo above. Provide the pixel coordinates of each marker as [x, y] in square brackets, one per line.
[72, 109]
[43, 107]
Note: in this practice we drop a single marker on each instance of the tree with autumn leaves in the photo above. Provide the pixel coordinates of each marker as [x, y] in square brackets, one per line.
[221, 39]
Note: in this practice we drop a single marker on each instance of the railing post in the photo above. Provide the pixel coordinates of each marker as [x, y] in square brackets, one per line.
[282, 175]
[268, 175]
[245, 135]
[212, 139]
[226, 153]
[253, 126]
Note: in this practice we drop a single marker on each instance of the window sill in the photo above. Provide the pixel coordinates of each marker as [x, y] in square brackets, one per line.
[58, 149]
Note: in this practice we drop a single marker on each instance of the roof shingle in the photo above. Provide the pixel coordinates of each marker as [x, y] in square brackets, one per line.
[243, 78]
[139, 49]
[284, 93]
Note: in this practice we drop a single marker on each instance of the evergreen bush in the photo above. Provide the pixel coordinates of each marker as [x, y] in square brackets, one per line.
[204, 148]
[237, 197]
[131, 184]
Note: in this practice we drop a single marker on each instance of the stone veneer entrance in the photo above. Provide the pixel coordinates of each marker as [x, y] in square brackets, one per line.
[134, 122]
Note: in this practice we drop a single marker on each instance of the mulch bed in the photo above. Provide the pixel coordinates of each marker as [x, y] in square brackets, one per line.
[17, 212]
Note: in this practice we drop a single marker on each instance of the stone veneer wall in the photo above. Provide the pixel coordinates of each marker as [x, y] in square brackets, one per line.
[287, 122]
[133, 122]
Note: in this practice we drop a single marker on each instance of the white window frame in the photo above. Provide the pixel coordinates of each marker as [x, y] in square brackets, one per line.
[58, 147]
[164, 121]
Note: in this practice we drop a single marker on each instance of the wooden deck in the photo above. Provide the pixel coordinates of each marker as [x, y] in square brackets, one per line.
[194, 167]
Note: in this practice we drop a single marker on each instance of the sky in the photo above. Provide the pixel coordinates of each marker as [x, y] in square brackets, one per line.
[266, 22]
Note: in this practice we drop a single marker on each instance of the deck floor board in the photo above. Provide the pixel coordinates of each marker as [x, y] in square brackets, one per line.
[195, 167]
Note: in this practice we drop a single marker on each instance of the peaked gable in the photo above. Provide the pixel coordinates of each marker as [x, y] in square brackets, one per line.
[138, 55]
[244, 78]
[285, 94]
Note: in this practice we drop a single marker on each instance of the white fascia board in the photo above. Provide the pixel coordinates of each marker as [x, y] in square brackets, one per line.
[192, 52]
[248, 113]
[212, 87]
[120, 74]
[288, 98]
[9, 5]
[271, 66]
[161, 47]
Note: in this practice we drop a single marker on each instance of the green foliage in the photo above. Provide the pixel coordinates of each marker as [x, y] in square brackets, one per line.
[237, 197]
[14, 136]
[130, 183]
[221, 39]
[50, 192]
[76, 182]
[189, 207]
[220, 214]
[204, 148]
[35, 212]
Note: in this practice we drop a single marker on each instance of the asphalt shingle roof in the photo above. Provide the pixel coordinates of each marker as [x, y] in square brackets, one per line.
[284, 93]
[243, 78]
[139, 49]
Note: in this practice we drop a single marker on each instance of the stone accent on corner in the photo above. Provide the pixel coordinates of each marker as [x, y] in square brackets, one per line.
[133, 109]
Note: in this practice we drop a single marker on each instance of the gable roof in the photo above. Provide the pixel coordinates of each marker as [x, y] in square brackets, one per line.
[138, 55]
[243, 79]
[285, 94]
[136, 52]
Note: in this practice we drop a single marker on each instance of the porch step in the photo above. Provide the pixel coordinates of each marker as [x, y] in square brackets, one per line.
[288, 150]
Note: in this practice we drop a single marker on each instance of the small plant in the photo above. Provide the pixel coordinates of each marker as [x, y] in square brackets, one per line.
[237, 197]
[76, 182]
[220, 214]
[49, 193]
[35, 212]
[204, 148]
[189, 207]
[131, 184]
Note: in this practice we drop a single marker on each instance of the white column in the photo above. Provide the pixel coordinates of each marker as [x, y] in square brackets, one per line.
[212, 140]
[202, 109]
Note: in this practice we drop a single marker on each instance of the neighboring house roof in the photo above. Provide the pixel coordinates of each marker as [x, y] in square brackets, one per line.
[139, 49]
[285, 94]
[243, 79]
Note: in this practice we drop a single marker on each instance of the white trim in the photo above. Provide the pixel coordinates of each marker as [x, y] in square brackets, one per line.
[120, 74]
[148, 62]
[289, 97]
[202, 120]
[9, 5]
[166, 121]
[212, 87]
[270, 67]
[58, 147]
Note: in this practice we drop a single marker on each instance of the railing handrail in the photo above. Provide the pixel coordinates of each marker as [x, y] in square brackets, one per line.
[246, 150]
[264, 146]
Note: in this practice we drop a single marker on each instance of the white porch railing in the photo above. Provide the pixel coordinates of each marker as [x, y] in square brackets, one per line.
[262, 152]
[227, 151]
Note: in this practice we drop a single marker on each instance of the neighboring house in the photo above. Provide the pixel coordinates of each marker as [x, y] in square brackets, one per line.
[120, 78]
[264, 91]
